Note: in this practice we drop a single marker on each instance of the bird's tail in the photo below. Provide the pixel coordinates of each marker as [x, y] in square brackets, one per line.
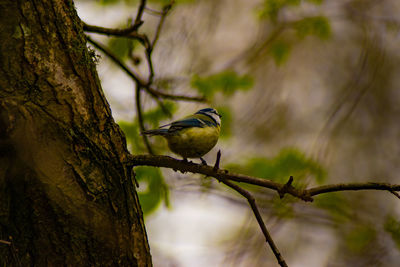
[155, 132]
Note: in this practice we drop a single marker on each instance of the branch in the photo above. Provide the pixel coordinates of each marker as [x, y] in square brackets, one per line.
[129, 32]
[281, 189]
[138, 20]
[396, 194]
[260, 221]
[353, 187]
[140, 118]
[153, 92]
[117, 61]
[150, 47]
[13, 250]
[164, 95]
[164, 14]
[225, 177]
[5, 242]
[255, 210]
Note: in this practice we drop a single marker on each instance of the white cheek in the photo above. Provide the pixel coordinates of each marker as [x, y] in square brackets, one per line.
[216, 118]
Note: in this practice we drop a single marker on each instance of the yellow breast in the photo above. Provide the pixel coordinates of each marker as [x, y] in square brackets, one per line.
[193, 142]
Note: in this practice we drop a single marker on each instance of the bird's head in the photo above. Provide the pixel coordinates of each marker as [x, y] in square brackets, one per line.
[212, 113]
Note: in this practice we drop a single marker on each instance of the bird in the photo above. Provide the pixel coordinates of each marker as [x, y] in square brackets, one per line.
[192, 136]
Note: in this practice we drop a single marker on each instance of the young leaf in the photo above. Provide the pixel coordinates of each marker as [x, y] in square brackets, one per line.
[392, 226]
[133, 138]
[121, 47]
[280, 51]
[289, 162]
[226, 82]
[152, 188]
[154, 116]
[318, 26]
[335, 204]
[359, 238]
[271, 8]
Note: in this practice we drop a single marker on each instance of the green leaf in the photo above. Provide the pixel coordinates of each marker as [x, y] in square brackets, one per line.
[154, 116]
[360, 237]
[316, 2]
[271, 8]
[318, 26]
[108, 2]
[289, 162]
[133, 138]
[152, 188]
[121, 47]
[226, 82]
[392, 226]
[280, 51]
[166, 2]
[334, 203]
[282, 208]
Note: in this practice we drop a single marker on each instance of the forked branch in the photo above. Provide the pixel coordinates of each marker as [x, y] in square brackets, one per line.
[254, 208]
[228, 178]
[281, 189]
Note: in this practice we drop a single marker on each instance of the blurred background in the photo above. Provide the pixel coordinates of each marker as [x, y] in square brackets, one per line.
[305, 88]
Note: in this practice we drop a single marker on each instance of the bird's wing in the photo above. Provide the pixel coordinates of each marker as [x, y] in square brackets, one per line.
[187, 123]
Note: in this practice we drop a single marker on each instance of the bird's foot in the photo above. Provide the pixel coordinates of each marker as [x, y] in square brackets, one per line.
[186, 160]
[203, 161]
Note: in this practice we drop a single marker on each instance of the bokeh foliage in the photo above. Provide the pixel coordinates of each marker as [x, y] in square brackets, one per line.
[227, 82]
[156, 190]
[136, 2]
[304, 25]
[392, 226]
[288, 162]
[311, 25]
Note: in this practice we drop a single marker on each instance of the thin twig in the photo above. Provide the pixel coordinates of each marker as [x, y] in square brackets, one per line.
[225, 177]
[127, 32]
[150, 66]
[164, 95]
[5, 242]
[255, 210]
[14, 251]
[260, 221]
[138, 20]
[153, 92]
[153, 12]
[140, 119]
[164, 14]
[396, 194]
[304, 194]
[139, 81]
[150, 48]
[352, 187]
[117, 61]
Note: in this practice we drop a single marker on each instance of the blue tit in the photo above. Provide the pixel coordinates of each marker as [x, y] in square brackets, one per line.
[193, 136]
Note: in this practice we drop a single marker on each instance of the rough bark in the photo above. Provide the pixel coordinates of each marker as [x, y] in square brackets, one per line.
[66, 198]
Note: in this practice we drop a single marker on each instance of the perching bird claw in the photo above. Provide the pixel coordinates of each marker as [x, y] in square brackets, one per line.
[203, 161]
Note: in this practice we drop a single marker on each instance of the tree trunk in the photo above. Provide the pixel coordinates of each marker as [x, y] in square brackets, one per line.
[66, 196]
